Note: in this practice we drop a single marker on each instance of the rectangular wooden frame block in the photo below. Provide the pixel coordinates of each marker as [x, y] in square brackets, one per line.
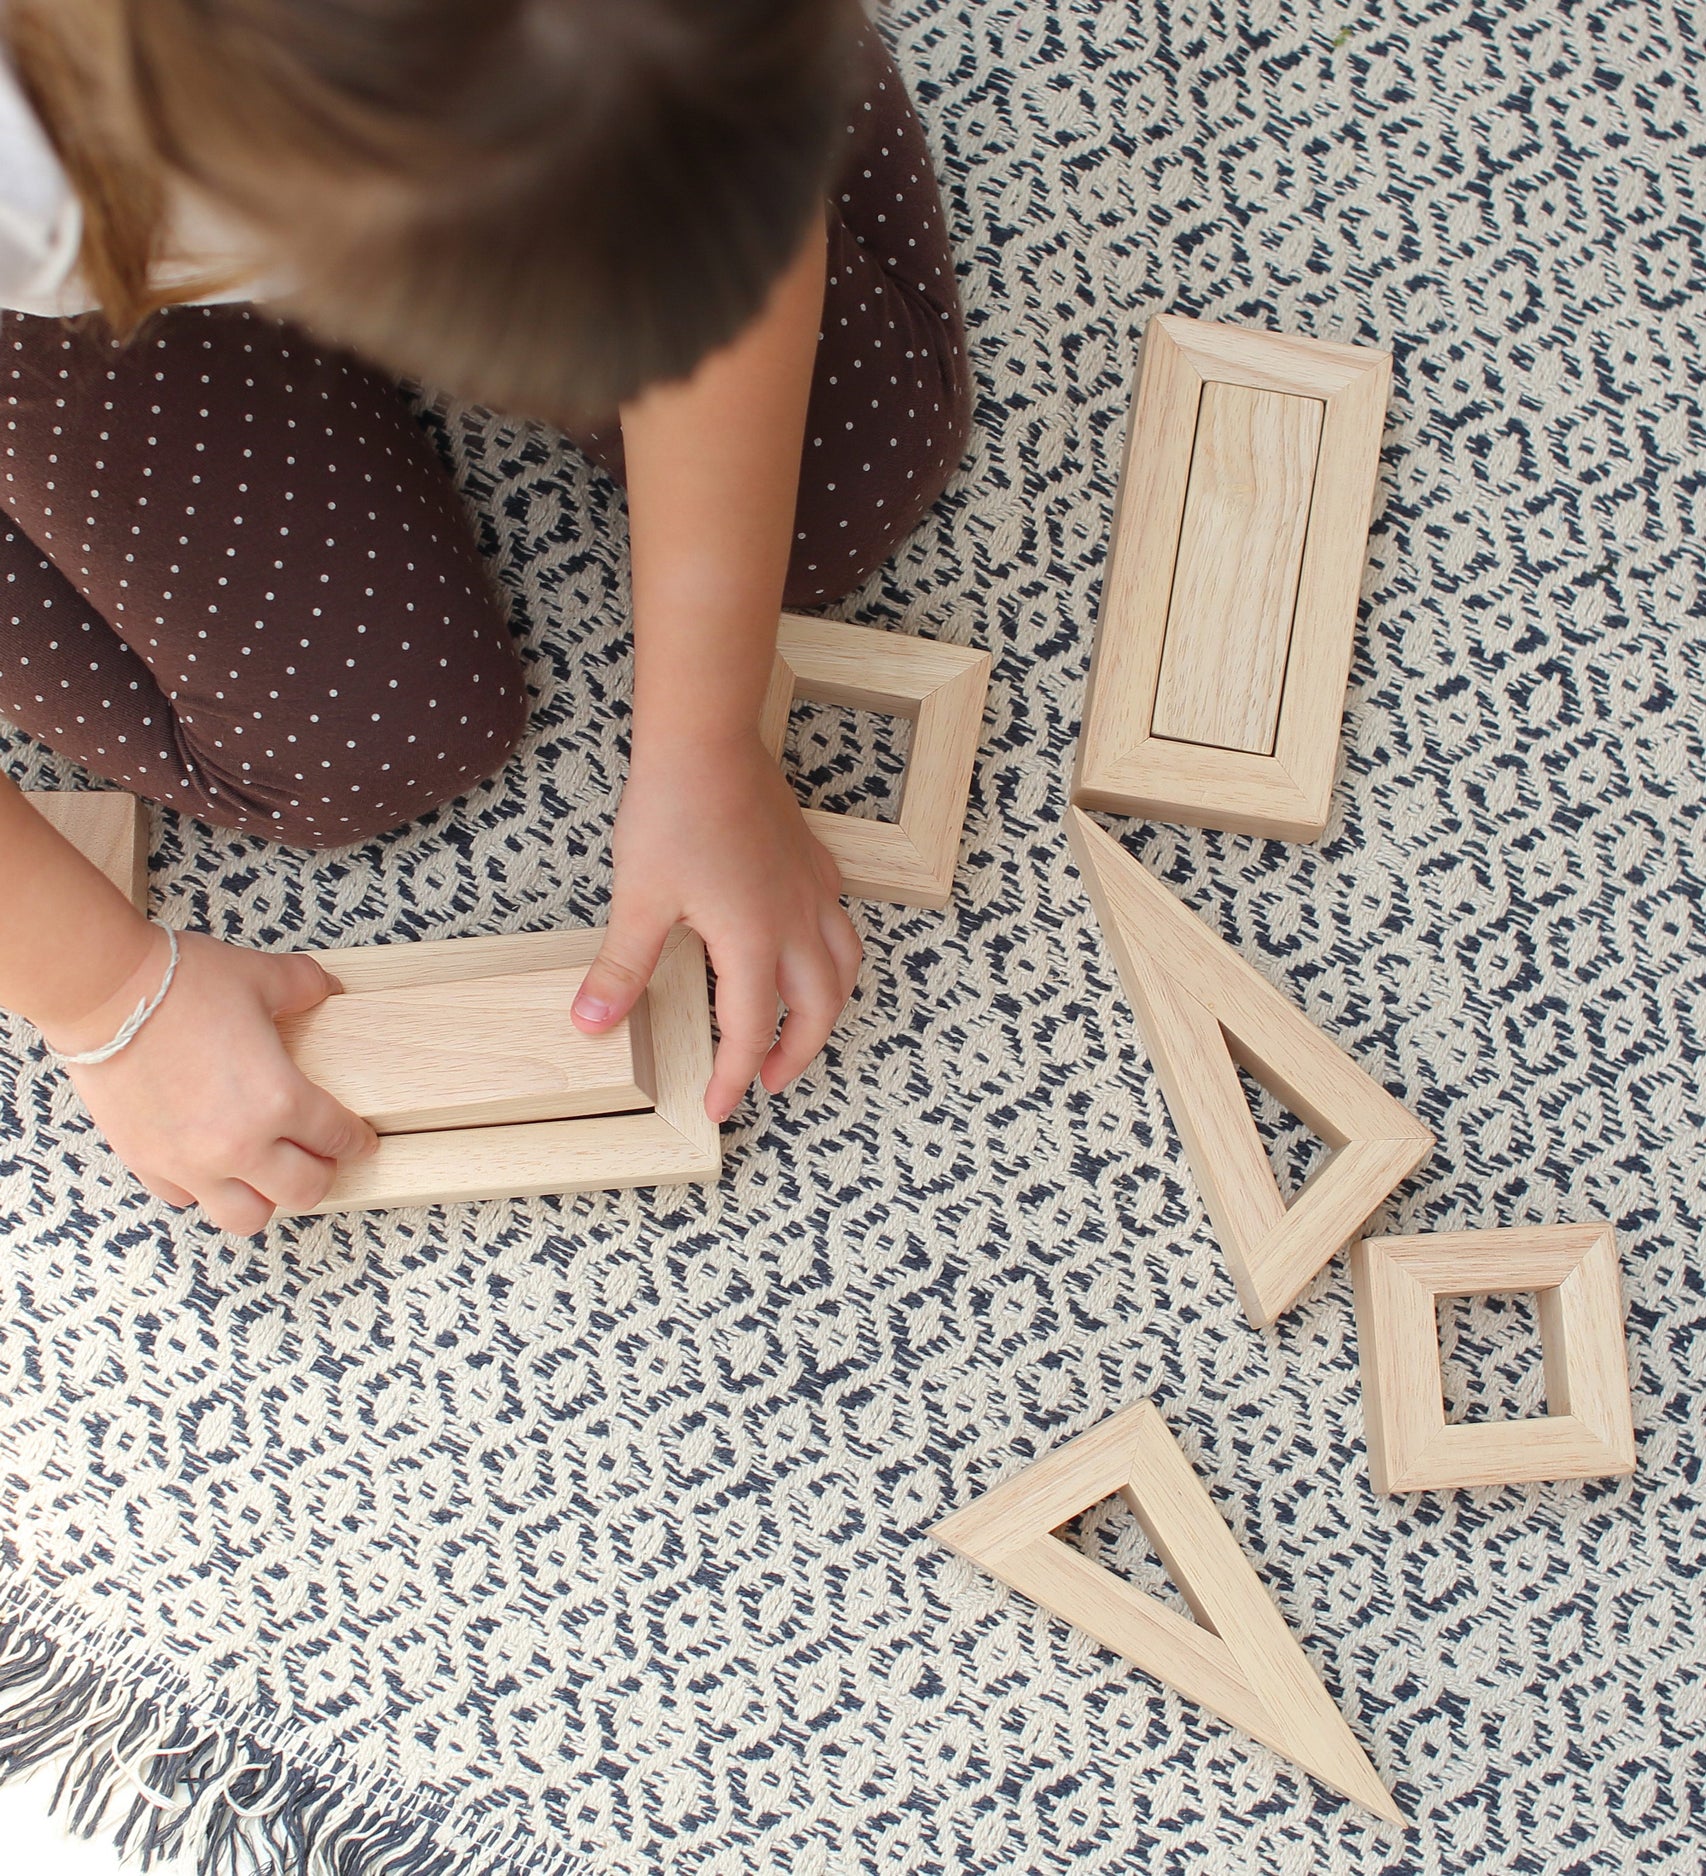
[670, 1142]
[1217, 686]
[940, 689]
[1588, 1430]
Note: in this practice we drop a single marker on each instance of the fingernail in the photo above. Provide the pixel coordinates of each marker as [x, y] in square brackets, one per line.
[593, 1009]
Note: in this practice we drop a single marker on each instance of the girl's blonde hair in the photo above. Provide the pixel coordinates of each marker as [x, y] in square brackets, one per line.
[542, 204]
[64, 55]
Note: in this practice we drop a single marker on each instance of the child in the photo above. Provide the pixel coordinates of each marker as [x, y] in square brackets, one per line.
[701, 235]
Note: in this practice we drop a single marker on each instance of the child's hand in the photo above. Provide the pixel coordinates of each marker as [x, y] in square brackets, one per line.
[205, 1106]
[712, 836]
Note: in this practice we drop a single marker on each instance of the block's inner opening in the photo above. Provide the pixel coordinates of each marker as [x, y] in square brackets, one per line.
[1295, 1149]
[1490, 1360]
[847, 761]
[1110, 1533]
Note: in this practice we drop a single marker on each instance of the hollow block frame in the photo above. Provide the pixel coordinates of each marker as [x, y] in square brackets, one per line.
[107, 827]
[940, 689]
[1123, 766]
[1204, 1013]
[1588, 1430]
[672, 1143]
[1238, 1659]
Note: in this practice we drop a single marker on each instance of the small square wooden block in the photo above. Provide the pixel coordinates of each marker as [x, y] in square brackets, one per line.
[1588, 1430]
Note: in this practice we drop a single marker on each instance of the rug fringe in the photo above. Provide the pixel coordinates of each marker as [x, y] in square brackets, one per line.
[199, 1792]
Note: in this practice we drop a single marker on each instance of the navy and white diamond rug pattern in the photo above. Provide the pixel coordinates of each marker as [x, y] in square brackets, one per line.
[589, 1535]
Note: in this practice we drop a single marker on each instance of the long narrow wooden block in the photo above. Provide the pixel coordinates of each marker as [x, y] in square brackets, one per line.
[669, 1142]
[107, 827]
[479, 1053]
[1204, 1013]
[940, 689]
[1238, 1659]
[1588, 1430]
[1240, 555]
[1229, 610]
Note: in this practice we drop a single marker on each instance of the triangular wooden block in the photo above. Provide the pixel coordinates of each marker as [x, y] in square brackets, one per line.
[1204, 1013]
[1238, 1658]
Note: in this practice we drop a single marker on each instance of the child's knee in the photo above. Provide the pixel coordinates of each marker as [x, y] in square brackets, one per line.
[354, 780]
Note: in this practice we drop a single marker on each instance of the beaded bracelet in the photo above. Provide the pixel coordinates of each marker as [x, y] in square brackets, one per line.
[92, 1058]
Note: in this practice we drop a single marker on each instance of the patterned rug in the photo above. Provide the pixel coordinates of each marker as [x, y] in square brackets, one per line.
[588, 1536]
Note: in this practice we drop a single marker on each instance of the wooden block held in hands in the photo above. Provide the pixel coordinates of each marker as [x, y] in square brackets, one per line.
[667, 1140]
[483, 1052]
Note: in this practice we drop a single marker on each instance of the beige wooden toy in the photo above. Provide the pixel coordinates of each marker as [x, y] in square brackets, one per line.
[940, 689]
[1229, 610]
[1238, 1659]
[462, 1054]
[1588, 1430]
[1204, 1013]
[105, 826]
[481, 1052]
[502, 1047]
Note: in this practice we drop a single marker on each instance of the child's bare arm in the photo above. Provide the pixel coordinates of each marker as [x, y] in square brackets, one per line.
[708, 831]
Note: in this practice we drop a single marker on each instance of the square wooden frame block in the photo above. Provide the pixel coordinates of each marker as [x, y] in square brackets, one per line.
[940, 689]
[1238, 1658]
[1588, 1430]
[672, 1143]
[1124, 765]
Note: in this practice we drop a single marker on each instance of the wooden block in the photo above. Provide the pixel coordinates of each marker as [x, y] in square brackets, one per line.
[107, 827]
[1229, 609]
[670, 1143]
[1588, 1430]
[1238, 1659]
[941, 690]
[1235, 580]
[1204, 1013]
[478, 1053]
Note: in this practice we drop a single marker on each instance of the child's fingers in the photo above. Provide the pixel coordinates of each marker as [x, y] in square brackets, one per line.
[622, 968]
[811, 989]
[746, 1016]
[327, 1129]
[844, 947]
[235, 1207]
[165, 1189]
[294, 1180]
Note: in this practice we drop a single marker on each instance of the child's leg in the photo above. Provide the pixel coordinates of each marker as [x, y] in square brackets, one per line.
[891, 402]
[241, 581]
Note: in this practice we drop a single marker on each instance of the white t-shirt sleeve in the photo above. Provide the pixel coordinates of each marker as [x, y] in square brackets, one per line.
[41, 230]
[41, 224]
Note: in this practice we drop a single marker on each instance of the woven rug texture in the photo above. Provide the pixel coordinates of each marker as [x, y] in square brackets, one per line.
[587, 1537]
